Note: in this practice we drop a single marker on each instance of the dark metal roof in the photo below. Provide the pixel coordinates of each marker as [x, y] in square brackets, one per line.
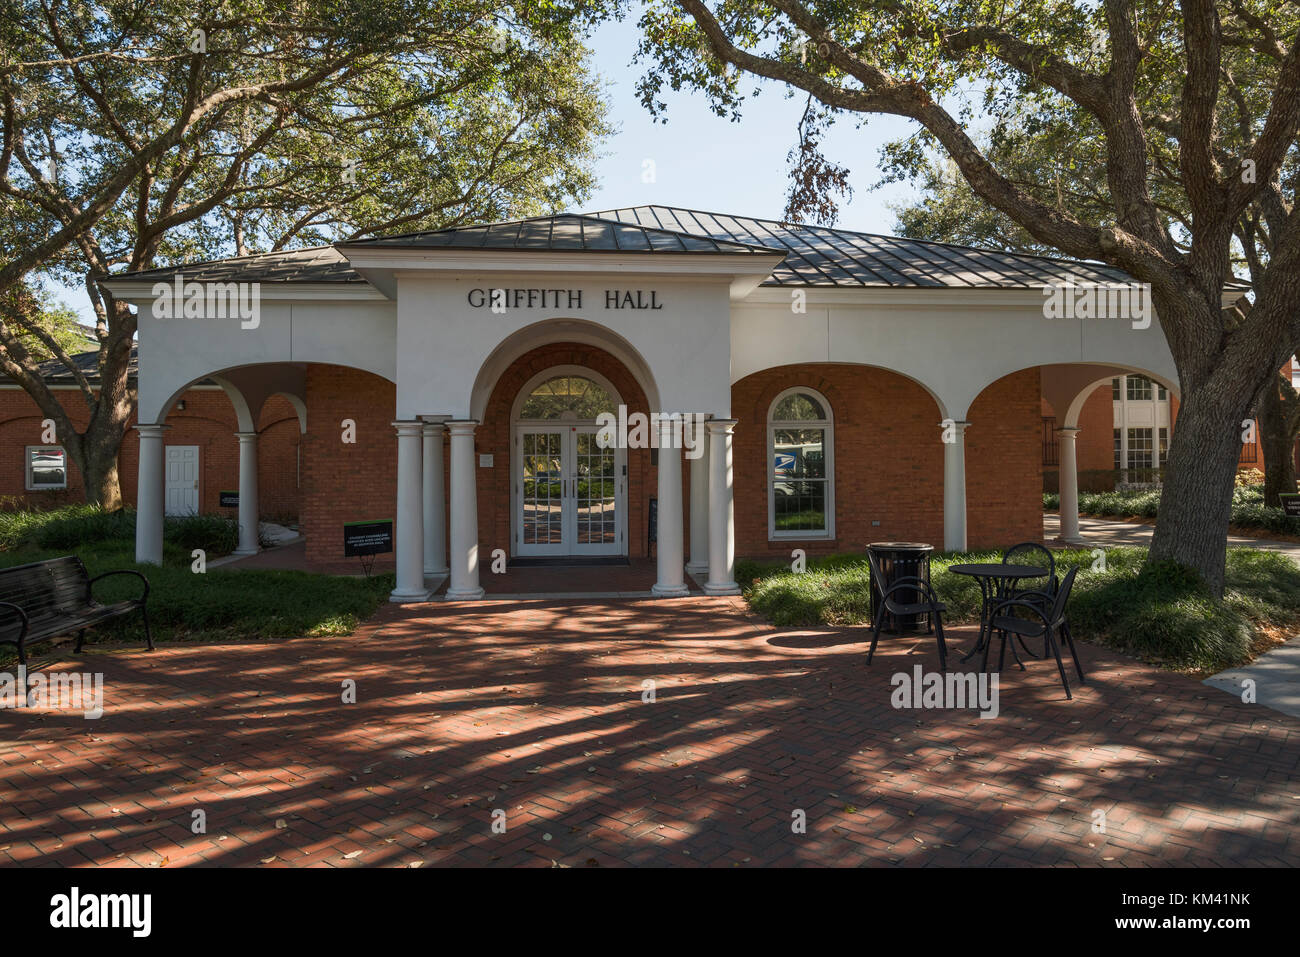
[567, 232]
[823, 256]
[317, 264]
[814, 255]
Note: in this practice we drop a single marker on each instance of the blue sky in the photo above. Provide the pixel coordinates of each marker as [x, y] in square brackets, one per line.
[703, 161]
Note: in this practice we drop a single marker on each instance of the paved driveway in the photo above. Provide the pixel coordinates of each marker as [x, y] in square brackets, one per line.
[536, 710]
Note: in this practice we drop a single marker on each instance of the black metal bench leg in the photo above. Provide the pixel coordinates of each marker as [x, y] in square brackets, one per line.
[27, 678]
[943, 648]
[81, 638]
[148, 635]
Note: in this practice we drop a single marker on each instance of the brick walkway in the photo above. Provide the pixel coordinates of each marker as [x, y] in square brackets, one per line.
[535, 709]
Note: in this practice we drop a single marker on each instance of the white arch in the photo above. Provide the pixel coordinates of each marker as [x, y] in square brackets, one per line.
[1075, 407]
[580, 331]
[931, 392]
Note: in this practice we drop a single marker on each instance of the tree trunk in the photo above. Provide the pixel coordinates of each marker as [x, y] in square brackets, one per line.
[1196, 501]
[1277, 436]
[102, 485]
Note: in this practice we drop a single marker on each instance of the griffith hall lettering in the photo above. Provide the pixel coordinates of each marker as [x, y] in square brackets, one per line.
[499, 300]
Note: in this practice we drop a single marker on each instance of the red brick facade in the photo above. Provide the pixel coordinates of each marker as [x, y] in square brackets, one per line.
[888, 457]
[346, 481]
[207, 421]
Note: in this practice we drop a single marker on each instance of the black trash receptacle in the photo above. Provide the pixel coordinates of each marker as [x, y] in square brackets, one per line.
[897, 560]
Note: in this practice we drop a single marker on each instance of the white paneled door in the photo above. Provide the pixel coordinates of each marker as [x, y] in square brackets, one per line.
[182, 479]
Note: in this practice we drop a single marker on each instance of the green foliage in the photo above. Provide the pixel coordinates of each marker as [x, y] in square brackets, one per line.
[1158, 611]
[69, 528]
[220, 605]
[376, 116]
[1248, 508]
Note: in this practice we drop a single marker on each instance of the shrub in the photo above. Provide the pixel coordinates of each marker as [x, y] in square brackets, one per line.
[74, 526]
[214, 534]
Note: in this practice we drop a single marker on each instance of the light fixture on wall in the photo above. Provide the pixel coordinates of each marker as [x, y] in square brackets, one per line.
[180, 406]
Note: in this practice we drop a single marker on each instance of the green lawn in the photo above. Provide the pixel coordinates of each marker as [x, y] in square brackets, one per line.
[1158, 612]
[219, 605]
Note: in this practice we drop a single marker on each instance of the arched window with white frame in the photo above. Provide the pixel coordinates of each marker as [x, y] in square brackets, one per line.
[801, 466]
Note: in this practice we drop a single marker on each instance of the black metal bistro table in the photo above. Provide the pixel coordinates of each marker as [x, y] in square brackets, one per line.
[994, 579]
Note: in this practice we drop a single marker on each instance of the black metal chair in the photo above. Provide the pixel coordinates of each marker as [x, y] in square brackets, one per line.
[922, 601]
[1032, 553]
[1050, 612]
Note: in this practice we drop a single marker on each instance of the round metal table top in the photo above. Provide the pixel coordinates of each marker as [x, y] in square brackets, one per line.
[910, 546]
[998, 570]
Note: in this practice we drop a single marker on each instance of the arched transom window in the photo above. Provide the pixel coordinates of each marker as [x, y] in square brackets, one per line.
[800, 455]
[567, 397]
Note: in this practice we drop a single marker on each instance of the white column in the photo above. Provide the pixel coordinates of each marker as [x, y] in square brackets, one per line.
[954, 486]
[409, 526]
[149, 496]
[1068, 481]
[249, 543]
[435, 511]
[722, 514]
[464, 514]
[672, 573]
[700, 521]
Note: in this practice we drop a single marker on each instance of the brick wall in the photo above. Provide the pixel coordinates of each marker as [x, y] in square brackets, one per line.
[889, 459]
[346, 482]
[1004, 463]
[207, 421]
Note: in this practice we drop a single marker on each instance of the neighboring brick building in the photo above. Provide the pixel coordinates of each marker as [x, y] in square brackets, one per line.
[1125, 427]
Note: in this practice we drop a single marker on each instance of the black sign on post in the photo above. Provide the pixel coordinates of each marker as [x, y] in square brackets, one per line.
[229, 499]
[367, 538]
[1290, 504]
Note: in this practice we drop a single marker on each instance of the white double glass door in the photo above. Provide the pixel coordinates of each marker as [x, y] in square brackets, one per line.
[569, 492]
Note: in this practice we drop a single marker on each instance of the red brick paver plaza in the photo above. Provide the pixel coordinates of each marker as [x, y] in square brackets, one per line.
[535, 709]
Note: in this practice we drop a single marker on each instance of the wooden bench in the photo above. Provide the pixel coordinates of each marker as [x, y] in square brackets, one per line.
[45, 600]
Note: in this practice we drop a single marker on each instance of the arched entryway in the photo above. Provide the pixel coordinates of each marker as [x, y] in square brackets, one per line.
[569, 490]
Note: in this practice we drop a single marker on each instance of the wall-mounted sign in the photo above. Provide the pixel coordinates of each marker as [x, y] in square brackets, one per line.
[1290, 504]
[227, 499]
[500, 300]
[367, 538]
